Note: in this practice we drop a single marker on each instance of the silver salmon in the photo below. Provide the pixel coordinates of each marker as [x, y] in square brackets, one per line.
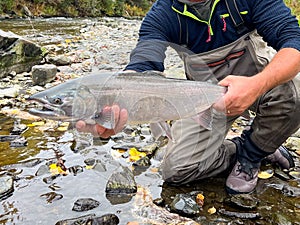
[149, 97]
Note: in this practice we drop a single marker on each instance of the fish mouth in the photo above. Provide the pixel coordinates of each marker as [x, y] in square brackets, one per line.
[47, 110]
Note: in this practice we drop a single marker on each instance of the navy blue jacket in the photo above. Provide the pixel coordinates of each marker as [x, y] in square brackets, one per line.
[165, 25]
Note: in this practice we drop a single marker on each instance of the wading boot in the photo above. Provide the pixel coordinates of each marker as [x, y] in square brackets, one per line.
[243, 177]
[281, 157]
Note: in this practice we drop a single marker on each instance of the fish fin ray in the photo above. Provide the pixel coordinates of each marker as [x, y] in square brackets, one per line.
[204, 118]
[105, 118]
[159, 129]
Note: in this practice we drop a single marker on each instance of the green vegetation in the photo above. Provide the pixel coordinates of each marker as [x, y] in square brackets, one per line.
[74, 8]
[295, 6]
[91, 8]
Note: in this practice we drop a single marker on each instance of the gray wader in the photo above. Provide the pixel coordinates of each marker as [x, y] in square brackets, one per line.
[199, 153]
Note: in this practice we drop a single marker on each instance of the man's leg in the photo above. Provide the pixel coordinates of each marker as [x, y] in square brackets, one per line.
[198, 153]
[277, 117]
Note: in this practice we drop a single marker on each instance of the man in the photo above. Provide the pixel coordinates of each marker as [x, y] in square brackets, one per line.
[222, 37]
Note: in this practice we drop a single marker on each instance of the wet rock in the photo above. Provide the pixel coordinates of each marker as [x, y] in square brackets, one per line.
[85, 204]
[52, 196]
[4, 138]
[75, 169]
[242, 201]
[295, 174]
[6, 187]
[281, 174]
[43, 74]
[42, 170]
[280, 220]
[185, 204]
[143, 162]
[18, 142]
[10, 92]
[100, 167]
[91, 219]
[290, 191]
[149, 149]
[121, 182]
[60, 60]
[50, 179]
[17, 54]
[18, 128]
[242, 215]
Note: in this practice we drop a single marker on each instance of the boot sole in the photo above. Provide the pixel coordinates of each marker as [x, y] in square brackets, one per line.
[234, 192]
[287, 155]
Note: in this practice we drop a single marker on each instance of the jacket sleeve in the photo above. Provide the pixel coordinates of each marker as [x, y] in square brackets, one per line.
[149, 53]
[274, 22]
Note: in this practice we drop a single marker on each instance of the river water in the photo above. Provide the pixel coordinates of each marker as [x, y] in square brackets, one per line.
[29, 203]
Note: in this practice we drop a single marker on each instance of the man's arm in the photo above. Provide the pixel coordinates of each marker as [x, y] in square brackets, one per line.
[243, 91]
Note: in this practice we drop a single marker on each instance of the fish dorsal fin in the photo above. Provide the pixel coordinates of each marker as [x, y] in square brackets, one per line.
[155, 73]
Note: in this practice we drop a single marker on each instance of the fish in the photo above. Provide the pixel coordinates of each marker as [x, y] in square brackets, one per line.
[149, 98]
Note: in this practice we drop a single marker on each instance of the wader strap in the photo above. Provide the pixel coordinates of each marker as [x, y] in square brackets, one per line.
[183, 39]
[236, 16]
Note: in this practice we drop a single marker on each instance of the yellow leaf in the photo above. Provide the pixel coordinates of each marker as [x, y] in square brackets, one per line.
[89, 167]
[134, 158]
[265, 174]
[54, 169]
[212, 210]
[68, 41]
[38, 123]
[62, 128]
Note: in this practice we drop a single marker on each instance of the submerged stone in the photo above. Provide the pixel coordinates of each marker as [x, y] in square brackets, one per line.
[242, 215]
[185, 204]
[290, 191]
[85, 204]
[121, 182]
[242, 201]
[52, 196]
[6, 187]
[91, 219]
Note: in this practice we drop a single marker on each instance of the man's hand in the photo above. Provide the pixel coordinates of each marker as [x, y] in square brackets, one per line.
[120, 115]
[241, 94]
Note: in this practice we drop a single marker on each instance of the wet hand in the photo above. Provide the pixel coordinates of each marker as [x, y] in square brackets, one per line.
[120, 115]
[241, 94]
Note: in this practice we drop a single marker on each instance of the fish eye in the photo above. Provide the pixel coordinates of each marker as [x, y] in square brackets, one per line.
[57, 101]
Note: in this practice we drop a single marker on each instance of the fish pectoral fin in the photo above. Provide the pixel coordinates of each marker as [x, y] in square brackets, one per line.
[204, 118]
[105, 118]
[160, 129]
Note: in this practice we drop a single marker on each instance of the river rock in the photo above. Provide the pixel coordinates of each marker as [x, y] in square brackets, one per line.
[91, 219]
[60, 60]
[242, 201]
[185, 204]
[85, 204]
[121, 182]
[43, 74]
[17, 54]
[6, 187]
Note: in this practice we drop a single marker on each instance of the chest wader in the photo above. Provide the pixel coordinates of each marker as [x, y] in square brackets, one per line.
[199, 153]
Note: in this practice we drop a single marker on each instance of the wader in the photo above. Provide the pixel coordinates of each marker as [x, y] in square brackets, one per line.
[199, 153]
